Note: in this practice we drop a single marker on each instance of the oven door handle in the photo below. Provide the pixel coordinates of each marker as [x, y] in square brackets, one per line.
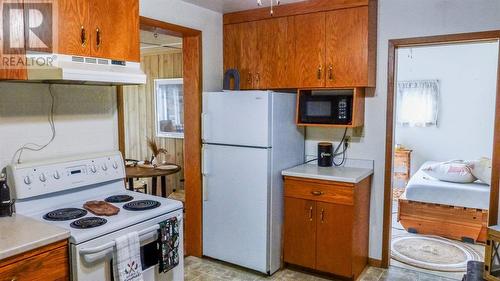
[143, 235]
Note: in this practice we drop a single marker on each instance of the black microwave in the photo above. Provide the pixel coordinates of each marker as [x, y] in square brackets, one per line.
[325, 108]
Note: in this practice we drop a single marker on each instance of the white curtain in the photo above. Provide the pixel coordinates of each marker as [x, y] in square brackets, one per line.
[417, 103]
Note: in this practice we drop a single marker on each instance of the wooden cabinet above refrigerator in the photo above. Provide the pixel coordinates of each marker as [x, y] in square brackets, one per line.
[308, 44]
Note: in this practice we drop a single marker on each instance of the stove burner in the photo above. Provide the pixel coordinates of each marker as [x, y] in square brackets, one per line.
[119, 198]
[141, 205]
[65, 214]
[88, 222]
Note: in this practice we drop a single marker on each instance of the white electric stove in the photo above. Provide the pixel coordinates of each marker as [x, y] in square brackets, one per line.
[54, 192]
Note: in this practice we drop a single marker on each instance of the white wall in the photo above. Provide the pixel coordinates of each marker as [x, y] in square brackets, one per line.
[85, 118]
[189, 15]
[467, 75]
[402, 19]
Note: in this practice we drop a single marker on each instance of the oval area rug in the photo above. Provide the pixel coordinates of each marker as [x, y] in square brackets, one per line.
[433, 252]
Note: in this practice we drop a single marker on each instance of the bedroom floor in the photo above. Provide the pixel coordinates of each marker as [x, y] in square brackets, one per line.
[397, 228]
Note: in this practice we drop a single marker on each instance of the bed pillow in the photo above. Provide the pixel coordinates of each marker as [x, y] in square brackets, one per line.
[481, 169]
[452, 171]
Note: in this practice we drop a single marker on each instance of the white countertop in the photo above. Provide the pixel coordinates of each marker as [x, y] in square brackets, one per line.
[19, 234]
[340, 174]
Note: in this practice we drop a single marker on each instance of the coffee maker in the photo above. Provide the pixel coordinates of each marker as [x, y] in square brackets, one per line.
[6, 203]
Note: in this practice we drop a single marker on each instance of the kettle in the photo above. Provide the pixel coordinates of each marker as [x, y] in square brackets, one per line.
[6, 203]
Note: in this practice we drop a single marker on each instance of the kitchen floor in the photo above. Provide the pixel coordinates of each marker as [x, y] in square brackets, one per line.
[197, 269]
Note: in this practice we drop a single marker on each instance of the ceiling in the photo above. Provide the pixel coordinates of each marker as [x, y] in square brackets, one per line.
[228, 6]
[151, 40]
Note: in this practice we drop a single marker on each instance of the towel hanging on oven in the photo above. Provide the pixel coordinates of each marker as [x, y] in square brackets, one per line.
[168, 240]
[127, 258]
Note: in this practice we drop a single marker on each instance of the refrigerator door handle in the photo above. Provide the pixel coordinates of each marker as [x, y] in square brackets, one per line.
[204, 173]
[204, 123]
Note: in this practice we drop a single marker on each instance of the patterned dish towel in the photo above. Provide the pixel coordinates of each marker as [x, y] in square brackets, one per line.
[168, 241]
[127, 258]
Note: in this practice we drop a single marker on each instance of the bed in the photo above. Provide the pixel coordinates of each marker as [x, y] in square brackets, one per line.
[453, 210]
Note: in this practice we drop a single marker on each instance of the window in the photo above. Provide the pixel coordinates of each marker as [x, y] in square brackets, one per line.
[169, 104]
[417, 103]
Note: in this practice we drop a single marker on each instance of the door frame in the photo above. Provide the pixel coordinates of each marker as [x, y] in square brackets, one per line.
[394, 44]
[192, 75]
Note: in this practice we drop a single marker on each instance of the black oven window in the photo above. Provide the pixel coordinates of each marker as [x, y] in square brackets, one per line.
[319, 108]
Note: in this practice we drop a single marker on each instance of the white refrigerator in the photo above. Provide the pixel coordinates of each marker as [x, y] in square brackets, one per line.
[248, 138]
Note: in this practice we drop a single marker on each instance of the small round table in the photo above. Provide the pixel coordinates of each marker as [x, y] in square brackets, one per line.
[139, 172]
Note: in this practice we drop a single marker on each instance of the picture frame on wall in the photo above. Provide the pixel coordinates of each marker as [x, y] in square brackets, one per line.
[169, 108]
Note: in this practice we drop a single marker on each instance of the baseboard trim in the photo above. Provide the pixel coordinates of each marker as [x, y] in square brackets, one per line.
[375, 262]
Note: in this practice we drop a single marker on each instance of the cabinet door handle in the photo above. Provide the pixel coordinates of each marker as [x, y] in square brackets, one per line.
[257, 79]
[83, 36]
[310, 213]
[322, 215]
[330, 72]
[317, 193]
[98, 38]
[319, 72]
[249, 79]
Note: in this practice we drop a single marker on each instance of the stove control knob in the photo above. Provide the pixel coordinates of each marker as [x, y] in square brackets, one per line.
[115, 165]
[104, 167]
[27, 180]
[93, 169]
[57, 175]
[42, 177]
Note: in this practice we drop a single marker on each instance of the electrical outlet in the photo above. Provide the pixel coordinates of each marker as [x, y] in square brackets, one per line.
[347, 142]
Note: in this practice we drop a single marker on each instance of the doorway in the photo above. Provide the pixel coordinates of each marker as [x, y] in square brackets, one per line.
[440, 197]
[166, 113]
[414, 113]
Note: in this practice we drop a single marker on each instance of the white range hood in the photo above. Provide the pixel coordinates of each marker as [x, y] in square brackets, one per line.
[57, 68]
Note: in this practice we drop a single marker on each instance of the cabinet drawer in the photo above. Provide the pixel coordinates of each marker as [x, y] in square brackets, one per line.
[50, 265]
[317, 190]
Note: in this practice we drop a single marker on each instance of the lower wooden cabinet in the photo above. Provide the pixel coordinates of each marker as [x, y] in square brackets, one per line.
[47, 263]
[326, 225]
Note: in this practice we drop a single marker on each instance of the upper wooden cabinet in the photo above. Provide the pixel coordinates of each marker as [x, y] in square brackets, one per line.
[276, 52]
[240, 48]
[262, 51]
[92, 28]
[114, 29]
[73, 34]
[333, 46]
[350, 54]
[310, 50]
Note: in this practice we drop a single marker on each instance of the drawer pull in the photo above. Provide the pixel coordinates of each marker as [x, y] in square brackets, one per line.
[317, 193]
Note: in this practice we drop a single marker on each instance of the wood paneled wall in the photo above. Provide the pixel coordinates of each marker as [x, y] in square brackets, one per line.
[139, 112]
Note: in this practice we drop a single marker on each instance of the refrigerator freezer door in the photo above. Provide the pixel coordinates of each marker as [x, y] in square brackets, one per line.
[235, 205]
[237, 118]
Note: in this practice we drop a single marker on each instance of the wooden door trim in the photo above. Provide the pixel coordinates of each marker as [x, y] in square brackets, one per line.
[192, 75]
[495, 176]
[293, 9]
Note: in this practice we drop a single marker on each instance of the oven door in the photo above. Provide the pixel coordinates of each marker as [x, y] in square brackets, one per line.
[98, 265]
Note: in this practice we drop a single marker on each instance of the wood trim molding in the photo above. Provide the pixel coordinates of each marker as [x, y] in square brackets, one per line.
[304, 7]
[495, 177]
[374, 262]
[192, 75]
[121, 119]
[162, 27]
